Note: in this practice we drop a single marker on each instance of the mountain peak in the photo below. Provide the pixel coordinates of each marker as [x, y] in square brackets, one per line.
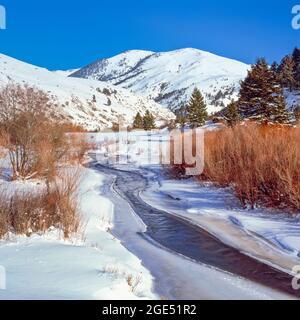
[170, 77]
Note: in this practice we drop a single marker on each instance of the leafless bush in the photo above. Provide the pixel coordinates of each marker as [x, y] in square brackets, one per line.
[79, 146]
[28, 130]
[133, 282]
[63, 196]
[56, 206]
[261, 163]
[4, 214]
[36, 142]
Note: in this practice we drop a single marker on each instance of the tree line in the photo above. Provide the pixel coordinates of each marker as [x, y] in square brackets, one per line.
[261, 96]
[146, 122]
[262, 93]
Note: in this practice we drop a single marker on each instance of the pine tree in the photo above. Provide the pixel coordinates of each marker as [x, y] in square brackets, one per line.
[196, 109]
[115, 127]
[181, 117]
[138, 122]
[296, 60]
[286, 72]
[232, 115]
[260, 93]
[181, 120]
[148, 121]
[274, 67]
[297, 113]
[281, 113]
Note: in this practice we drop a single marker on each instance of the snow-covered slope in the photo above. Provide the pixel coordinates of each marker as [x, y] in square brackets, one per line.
[92, 104]
[170, 77]
[292, 99]
[65, 73]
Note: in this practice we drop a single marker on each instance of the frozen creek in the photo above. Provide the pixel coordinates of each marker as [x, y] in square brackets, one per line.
[185, 260]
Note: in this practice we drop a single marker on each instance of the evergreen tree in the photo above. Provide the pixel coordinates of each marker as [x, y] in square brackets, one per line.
[296, 60]
[196, 109]
[181, 117]
[281, 113]
[148, 121]
[286, 72]
[274, 67]
[115, 127]
[260, 93]
[138, 122]
[297, 113]
[232, 115]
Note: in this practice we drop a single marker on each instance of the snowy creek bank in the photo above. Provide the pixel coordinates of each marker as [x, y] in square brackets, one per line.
[271, 237]
[93, 266]
[185, 260]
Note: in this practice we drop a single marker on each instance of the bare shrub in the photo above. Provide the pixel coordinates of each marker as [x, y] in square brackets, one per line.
[63, 196]
[133, 282]
[260, 162]
[31, 212]
[25, 123]
[79, 146]
[38, 146]
[4, 214]
[4, 138]
[73, 128]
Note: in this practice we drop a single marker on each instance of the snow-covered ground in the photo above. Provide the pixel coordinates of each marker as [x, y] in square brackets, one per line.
[175, 276]
[93, 265]
[273, 237]
[114, 252]
[270, 237]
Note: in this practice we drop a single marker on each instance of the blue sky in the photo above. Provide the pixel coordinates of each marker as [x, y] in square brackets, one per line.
[61, 34]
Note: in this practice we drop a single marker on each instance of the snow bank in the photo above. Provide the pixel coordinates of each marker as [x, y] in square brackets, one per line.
[260, 233]
[272, 237]
[94, 266]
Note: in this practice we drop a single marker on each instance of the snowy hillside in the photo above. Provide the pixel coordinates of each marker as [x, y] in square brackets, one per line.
[170, 77]
[92, 104]
[292, 99]
[65, 73]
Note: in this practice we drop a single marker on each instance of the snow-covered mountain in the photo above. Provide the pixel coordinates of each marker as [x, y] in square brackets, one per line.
[170, 77]
[65, 73]
[89, 103]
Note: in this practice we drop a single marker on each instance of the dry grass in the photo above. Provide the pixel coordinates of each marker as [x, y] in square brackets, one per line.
[24, 213]
[72, 128]
[261, 163]
[133, 282]
[79, 145]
